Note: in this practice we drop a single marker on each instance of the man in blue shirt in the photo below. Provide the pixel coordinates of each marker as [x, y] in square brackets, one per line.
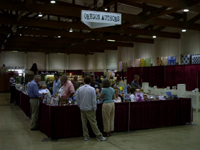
[135, 82]
[95, 84]
[56, 84]
[34, 100]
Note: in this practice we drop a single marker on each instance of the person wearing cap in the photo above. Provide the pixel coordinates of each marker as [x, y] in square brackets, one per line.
[95, 84]
[56, 84]
[76, 83]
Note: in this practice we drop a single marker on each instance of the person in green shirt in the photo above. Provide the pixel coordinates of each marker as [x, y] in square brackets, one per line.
[108, 108]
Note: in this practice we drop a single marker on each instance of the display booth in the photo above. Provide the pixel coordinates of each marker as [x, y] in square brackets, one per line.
[163, 76]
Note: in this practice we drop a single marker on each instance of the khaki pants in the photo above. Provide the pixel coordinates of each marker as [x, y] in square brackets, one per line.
[108, 114]
[91, 117]
[35, 103]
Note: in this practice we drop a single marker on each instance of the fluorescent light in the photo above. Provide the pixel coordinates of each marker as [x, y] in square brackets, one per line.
[40, 14]
[186, 10]
[106, 9]
[53, 2]
[154, 36]
[70, 30]
[59, 36]
[110, 40]
[15, 51]
[184, 30]
[20, 34]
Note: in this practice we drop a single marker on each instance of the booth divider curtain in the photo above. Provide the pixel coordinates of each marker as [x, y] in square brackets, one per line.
[163, 76]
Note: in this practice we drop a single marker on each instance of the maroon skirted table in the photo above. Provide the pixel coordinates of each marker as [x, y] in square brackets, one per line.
[65, 121]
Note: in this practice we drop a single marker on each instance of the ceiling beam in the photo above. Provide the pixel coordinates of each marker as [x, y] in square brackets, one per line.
[150, 17]
[107, 5]
[60, 46]
[49, 49]
[181, 4]
[81, 26]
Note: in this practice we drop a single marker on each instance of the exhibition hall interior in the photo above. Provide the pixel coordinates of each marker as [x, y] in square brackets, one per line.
[100, 74]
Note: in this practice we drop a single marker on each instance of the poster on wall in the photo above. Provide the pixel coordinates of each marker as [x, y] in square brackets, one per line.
[195, 59]
[185, 59]
[137, 63]
[142, 63]
[124, 66]
[120, 66]
[129, 63]
[164, 61]
[147, 62]
[172, 60]
[159, 61]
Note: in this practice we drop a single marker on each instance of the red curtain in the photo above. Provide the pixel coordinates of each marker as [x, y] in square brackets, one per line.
[169, 76]
[163, 76]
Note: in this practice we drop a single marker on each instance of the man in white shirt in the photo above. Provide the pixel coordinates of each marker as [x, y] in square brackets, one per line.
[86, 101]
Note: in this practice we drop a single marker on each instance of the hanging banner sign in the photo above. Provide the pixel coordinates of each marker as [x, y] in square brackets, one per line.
[98, 19]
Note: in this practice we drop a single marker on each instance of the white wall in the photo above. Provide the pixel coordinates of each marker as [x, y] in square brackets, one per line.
[38, 58]
[111, 59]
[57, 62]
[90, 63]
[190, 42]
[164, 47]
[77, 62]
[12, 58]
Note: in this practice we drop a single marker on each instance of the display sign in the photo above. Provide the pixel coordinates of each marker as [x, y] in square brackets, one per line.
[97, 19]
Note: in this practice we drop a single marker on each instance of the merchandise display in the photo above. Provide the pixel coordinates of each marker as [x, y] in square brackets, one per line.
[142, 63]
[164, 61]
[186, 60]
[147, 62]
[137, 63]
[172, 60]
[195, 59]
[159, 61]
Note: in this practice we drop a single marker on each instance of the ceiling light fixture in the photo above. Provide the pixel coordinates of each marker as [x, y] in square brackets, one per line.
[53, 2]
[106, 9]
[184, 30]
[154, 36]
[70, 30]
[109, 40]
[59, 36]
[20, 34]
[186, 10]
[40, 14]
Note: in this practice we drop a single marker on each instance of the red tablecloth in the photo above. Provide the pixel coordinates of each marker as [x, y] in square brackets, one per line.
[25, 104]
[65, 121]
[17, 97]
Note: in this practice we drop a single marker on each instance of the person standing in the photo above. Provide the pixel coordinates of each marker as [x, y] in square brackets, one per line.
[68, 88]
[12, 88]
[135, 82]
[34, 100]
[76, 83]
[112, 81]
[56, 84]
[86, 101]
[108, 108]
[94, 83]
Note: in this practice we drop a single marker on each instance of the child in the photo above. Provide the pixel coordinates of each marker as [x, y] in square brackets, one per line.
[132, 96]
[116, 97]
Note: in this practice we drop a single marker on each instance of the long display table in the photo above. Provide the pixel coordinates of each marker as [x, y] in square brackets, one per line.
[65, 121]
